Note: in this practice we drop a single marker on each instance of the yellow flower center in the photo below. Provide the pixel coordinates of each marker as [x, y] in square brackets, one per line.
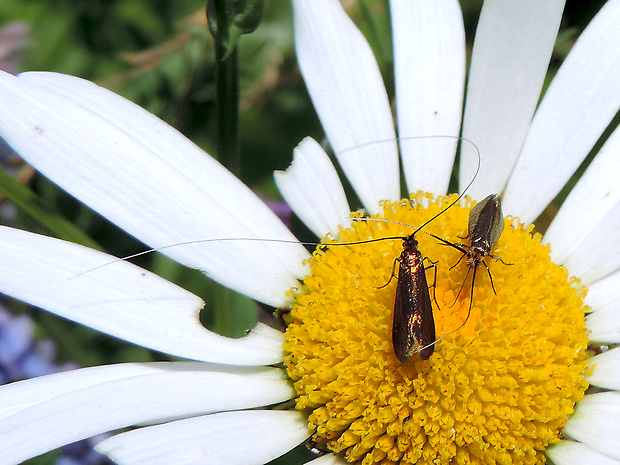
[497, 390]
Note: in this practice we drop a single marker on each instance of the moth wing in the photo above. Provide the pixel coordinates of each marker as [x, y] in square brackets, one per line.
[486, 221]
[414, 327]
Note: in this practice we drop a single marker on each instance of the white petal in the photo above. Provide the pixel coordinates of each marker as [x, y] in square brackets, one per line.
[606, 372]
[596, 422]
[244, 438]
[593, 197]
[581, 101]
[604, 325]
[23, 394]
[121, 299]
[429, 68]
[312, 188]
[575, 453]
[329, 459]
[150, 180]
[270, 386]
[348, 93]
[605, 293]
[598, 254]
[512, 49]
[174, 391]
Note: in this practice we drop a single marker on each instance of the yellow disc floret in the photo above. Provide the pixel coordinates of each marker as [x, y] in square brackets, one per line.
[497, 390]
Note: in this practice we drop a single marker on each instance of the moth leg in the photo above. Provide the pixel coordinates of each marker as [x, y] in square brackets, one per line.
[464, 281]
[464, 255]
[489, 273]
[397, 260]
[499, 259]
[433, 265]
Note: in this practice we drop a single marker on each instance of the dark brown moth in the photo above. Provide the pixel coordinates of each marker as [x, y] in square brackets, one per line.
[413, 328]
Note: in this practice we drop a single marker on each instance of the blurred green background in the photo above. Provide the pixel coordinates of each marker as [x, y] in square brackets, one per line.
[160, 54]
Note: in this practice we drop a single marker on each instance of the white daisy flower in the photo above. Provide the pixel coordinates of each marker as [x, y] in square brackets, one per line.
[508, 387]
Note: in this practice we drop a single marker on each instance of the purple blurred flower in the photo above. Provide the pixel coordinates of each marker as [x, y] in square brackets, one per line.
[21, 357]
[280, 208]
[14, 38]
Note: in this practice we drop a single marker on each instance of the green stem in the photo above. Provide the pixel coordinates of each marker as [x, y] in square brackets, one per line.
[227, 96]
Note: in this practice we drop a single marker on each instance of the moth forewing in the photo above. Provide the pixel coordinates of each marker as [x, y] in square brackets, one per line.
[413, 328]
[486, 223]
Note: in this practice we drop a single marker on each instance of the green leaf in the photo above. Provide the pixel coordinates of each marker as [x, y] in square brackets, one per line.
[27, 201]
